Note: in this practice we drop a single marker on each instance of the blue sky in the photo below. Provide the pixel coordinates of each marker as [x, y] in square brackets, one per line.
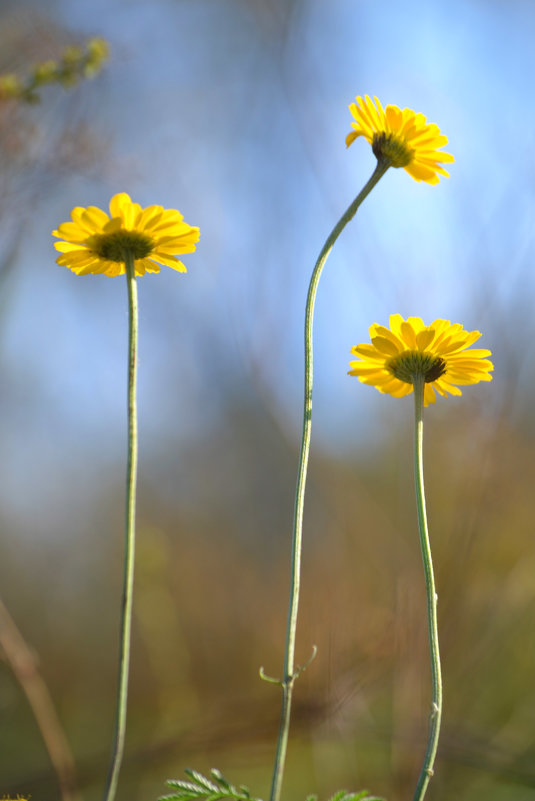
[237, 116]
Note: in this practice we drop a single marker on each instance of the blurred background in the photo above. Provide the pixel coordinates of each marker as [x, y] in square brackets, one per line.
[235, 112]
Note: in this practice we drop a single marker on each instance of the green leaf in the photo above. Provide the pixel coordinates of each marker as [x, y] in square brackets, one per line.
[200, 788]
[362, 795]
[220, 779]
[201, 780]
[338, 796]
[181, 784]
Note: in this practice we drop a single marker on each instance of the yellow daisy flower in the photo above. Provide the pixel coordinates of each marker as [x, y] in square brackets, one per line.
[410, 349]
[95, 242]
[401, 137]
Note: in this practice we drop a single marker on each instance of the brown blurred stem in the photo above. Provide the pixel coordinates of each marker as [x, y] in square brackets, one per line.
[24, 664]
[290, 673]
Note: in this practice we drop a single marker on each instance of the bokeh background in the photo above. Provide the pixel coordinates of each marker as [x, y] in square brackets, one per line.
[235, 112]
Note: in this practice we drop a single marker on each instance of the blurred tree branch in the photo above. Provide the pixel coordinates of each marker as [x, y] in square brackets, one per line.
[37, 144]
[31, 149]
[24, 665]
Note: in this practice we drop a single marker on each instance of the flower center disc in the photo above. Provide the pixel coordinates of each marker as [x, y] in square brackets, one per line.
[414, 363]
[115, 246]
[388, 146]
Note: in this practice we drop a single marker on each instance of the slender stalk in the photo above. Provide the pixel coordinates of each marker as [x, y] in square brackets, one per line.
[436, 677]
[295, 579]
[130, 537]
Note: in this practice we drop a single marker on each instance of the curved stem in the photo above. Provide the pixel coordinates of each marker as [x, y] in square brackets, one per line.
[436, 704]
[289, 656]
[130, 537]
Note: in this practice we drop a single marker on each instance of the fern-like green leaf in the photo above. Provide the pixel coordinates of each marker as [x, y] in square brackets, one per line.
[338, 796]
[362, 795]
[200, 788]
[201, 780]
[220, 779]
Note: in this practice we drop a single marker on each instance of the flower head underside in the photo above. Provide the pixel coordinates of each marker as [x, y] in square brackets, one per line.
[95, 242]
[401, 137]
[409, 350]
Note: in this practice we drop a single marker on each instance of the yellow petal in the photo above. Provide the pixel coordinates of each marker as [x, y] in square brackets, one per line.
[93, 219]
[68, 247]
[70, 231]
[169, 261]
[386, 345]
[424, 338]
[368, 352]
[384, 333]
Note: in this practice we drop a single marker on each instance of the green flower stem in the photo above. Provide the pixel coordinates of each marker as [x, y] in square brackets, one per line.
[130, 538]
[436, 677]
[289, 656]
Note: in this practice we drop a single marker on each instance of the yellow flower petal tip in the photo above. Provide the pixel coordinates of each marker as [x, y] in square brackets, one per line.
[400, 137]
[96, 242]
[409, 349]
